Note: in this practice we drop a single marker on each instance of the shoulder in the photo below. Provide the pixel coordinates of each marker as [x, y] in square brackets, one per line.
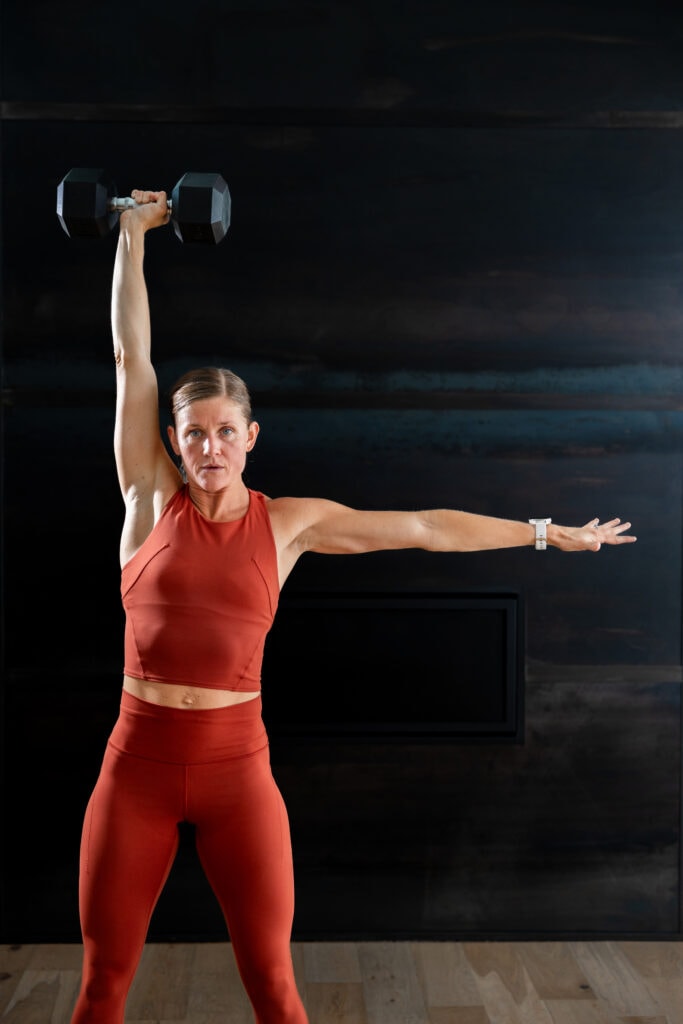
[292, 517]
[306, 509]
[284, 511]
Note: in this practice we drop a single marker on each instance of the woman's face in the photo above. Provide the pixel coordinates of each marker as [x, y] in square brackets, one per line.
[212, 438]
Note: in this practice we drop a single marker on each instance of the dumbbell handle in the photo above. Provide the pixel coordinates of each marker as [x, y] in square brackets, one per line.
[128, 203]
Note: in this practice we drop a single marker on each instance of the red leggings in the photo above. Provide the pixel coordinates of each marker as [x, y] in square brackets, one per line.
[212, 768]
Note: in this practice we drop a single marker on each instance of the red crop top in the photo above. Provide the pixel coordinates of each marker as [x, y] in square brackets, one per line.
[200, 597]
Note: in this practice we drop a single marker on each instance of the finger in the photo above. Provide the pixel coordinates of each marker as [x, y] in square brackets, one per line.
[142, 196]
[614, 535]
[609, 525]
[621, 528]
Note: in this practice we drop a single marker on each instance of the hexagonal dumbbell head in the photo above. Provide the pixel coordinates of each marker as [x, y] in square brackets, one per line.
[82, 203]
[201, 208]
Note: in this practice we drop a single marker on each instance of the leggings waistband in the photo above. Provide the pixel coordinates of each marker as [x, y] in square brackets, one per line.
[188, 736]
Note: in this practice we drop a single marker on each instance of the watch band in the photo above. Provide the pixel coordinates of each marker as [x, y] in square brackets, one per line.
[541, 532]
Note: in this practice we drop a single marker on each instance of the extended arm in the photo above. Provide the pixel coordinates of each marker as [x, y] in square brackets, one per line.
[326, 527]
[146, 473]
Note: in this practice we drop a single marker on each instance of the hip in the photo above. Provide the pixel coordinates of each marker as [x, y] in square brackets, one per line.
[176, 735]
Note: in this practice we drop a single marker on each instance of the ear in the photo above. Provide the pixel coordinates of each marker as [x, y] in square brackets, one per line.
[252, 434]
[172, 438]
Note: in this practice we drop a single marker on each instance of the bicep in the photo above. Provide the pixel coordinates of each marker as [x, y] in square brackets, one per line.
[342, 530]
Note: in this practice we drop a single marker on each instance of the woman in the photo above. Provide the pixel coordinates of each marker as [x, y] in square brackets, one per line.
[203, 560]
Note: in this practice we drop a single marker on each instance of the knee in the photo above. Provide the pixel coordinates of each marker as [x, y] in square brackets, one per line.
[276, 998]
[104, 991]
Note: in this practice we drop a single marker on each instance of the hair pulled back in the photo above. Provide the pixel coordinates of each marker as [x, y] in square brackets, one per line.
[210, 382]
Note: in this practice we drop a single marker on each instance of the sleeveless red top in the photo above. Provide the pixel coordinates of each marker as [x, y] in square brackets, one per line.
[200, 597]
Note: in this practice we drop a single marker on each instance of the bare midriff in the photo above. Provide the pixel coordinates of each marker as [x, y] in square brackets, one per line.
[174, 695]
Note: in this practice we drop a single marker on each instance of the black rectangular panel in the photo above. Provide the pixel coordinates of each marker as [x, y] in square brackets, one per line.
[381, 664]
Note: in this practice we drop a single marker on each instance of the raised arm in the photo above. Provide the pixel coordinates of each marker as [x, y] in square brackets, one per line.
[146, 473]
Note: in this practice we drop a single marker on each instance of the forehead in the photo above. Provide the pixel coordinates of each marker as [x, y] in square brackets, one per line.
[211, 411]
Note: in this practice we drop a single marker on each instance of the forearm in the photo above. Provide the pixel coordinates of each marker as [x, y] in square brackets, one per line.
[130, 319]
[464, 531]
[450, 530]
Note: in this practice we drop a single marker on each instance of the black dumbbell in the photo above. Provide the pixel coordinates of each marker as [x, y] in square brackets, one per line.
[88, 207]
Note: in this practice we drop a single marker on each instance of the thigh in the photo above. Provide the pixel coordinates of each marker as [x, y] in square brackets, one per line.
[243, 841]
[128, 843]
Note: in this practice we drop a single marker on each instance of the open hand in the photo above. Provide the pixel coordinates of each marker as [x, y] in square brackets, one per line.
[590, 537]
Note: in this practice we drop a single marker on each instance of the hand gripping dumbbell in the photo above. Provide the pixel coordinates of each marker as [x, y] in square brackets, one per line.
[88, 207]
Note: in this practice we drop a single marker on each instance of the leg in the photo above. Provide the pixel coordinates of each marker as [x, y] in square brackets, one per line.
[129, 840]
[243, 840]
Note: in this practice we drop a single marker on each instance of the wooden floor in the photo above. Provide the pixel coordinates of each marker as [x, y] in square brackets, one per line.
[375, 983]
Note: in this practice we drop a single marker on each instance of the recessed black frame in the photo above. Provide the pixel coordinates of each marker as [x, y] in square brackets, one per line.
[397, 665]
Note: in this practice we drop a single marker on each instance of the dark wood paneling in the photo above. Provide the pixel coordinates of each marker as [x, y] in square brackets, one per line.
[563, 835]
[374, 252]
[452, 278]
[416, 55]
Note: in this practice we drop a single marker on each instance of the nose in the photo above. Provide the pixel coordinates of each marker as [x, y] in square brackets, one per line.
[211, 444]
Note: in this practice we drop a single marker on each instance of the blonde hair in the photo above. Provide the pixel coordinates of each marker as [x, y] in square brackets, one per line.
[209, 382]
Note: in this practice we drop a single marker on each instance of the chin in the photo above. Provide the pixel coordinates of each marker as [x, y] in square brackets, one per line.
[211, 481]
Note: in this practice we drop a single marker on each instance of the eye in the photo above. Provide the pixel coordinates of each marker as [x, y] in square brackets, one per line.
[227, 431]
[194, 433]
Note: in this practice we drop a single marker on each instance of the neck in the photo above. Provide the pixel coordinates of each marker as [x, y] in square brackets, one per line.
[224, 506]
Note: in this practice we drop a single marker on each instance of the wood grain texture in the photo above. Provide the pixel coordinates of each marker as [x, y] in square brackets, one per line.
[614, 978]
[374, 983]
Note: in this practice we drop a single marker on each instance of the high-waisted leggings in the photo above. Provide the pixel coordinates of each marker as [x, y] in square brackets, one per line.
[211, 768]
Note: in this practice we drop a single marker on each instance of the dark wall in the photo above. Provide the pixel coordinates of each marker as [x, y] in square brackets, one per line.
[452, 278]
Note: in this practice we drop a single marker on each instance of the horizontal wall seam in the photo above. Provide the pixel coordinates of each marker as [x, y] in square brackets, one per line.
[36, 110]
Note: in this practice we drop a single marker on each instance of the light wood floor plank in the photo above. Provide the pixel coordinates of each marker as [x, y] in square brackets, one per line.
[458, 1015]
[56, 956]
[506, 989]
[160, 990]
[13, 960]
[659, 965]
[580, 1011]
[391, 987]
[614, 979]
[331, 961]
[329, 1002]
[42, 997]
[216, 993]
[446, 977]
[668, 994]
[374, 983]
[554, 971]
[655, 959]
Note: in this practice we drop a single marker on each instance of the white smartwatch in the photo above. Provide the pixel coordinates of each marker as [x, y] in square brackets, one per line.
[541, 532]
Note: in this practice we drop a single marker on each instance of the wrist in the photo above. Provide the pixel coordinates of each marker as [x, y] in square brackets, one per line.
[131, 224]
[541, 538]
[132, 237]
